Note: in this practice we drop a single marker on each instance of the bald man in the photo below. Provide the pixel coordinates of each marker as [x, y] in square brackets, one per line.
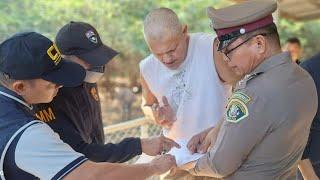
[185, 81]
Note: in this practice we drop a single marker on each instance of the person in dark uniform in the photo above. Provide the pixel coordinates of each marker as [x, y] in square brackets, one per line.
[31, 72]
[310, 164]
[75, 113]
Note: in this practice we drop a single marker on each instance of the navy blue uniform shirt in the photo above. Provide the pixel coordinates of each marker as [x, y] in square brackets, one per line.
[75, 114]
[312, 150]
[29, 148]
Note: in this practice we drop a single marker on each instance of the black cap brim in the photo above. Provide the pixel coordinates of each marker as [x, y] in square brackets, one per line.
[68, 74]
[99, 56]
[225, 43]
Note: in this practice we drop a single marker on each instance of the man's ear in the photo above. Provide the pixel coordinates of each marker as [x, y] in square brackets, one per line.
[19, 87]
[261, 44]
[216, 42]
[185, 29]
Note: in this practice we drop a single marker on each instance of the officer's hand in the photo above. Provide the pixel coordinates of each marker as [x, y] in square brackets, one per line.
[209, 141]
[156, 145]
[164, 115]
[196, 141]
[162, 164]
[188, 166]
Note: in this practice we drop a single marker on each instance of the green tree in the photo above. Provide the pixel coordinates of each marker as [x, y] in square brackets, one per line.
[120, 22]
[308, 33]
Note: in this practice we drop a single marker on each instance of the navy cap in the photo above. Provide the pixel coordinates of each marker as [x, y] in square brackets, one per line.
[31, 55]
[82, 40]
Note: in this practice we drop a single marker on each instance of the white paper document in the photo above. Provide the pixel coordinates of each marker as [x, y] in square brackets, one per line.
[183, 155]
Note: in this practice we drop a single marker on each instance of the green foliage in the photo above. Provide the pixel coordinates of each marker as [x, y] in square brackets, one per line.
[308, 33]
[120, 23]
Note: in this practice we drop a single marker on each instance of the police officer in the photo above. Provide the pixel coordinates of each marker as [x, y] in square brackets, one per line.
[310, 164]
[266, 124]
[31, 72]
[75, 113]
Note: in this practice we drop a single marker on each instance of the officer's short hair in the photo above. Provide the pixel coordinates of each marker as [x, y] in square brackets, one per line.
[5, 80]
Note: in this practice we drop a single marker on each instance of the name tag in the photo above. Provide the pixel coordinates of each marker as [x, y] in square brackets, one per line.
[46, 115]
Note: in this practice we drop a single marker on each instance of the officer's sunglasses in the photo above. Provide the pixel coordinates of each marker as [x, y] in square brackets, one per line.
[227, 52]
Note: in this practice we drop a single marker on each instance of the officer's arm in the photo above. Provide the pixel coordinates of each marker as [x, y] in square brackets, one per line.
[120, 152]
[91, 170]
[234, 142]
[307, 170]
[305, 166]
[40, 152]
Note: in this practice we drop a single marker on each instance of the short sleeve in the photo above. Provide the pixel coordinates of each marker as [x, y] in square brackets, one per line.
[40, 152]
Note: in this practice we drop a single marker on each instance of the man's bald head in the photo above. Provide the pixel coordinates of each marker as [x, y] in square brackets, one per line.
[160, 24]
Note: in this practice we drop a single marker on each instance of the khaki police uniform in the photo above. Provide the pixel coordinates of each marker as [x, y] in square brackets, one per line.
[266, 124]
[268, 117]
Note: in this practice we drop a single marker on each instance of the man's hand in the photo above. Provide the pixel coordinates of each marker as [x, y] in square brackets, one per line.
[162, 164]
[164, 115]
[156, 145]
[196, 141]
[307, 170]
[209, 141]
[188, 166]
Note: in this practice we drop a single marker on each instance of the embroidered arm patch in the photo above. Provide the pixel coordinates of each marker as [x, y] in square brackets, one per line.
[237, 109]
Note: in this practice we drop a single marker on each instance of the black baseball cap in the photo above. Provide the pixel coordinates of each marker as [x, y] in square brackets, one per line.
[31, 55]
[82, 40]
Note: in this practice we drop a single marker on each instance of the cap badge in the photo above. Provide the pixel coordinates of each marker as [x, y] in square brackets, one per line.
[242, 31]
[54, 54]
[92, 36]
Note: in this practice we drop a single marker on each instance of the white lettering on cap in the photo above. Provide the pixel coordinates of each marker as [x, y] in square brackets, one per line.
[92, 36]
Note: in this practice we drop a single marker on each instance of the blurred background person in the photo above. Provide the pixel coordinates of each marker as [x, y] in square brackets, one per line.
[293, 46]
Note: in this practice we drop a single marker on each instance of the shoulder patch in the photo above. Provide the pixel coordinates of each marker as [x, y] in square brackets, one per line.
[241, 96]
[237, 108]
[46, 115]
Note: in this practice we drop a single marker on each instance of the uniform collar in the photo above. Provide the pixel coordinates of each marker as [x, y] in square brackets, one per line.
[272, 62]
[7, 93]
[266, 65]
